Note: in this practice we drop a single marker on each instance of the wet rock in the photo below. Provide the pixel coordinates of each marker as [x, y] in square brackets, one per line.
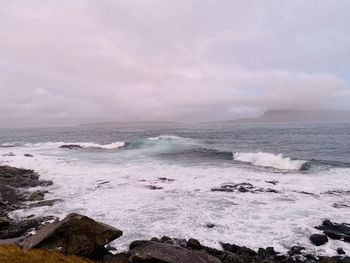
[137, 243]
[28, 155]
[335, 230]
[76, 234]
[10, 154]
[193, 244]
[274, 182]
[238, 250]
[319, 239]
[37, 196]
[295, 250]
[166, 253]
[4, 221]
[118, 258]
[71, 146]
[45, 203]
[164, 179]
[340, 205]
[340, 251]
[153, 187]
[209, 225]
[242, 188]
[19, 228]
[12, 182]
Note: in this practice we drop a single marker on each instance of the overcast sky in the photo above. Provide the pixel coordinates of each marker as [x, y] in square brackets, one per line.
[65, 62]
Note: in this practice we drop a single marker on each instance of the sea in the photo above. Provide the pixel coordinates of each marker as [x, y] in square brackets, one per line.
[183, 181]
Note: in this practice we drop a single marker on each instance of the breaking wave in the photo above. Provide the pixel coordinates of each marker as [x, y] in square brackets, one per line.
[271, 160]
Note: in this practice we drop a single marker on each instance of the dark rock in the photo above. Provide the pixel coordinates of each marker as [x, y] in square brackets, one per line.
[166, 253]
[340, 251]
[76, 234]
[4, 221]
[17, 229]
[71, 146]
[118, 258]
[347, 238]
[12, 182]
[10, 154]
[137, 243]
[242, 188]
[210, 225]
[28, 155]
[153, 187]
[239, 250]
[295, 250]
[193, 244]
[319, 239]
[340, 205]
[164, 179]
[45, 203]
[333, 234]
[274, 182]
[37, 196]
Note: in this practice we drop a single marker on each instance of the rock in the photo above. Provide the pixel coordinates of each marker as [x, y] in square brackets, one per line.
[17, 229]
[36, 196]
[71, 146]
[333, 234]
[274, 182]
[319, 239]
[4, 221]
[118, 258]
[340, 251]
[153, 187]
[10, 154]
[164, 179]
[238, 250]
[137, 243]
[209, 225]
[28, 155]
[295, 250]
[76, 234]
[242, 188]
[166, 253]
[45, 203]
[193, 244]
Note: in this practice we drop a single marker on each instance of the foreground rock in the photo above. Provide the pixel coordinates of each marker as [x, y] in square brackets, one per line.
[151, 251]
[76, 234]
[71, 146]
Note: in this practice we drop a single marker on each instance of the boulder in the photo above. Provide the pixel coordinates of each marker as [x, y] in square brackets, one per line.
[319, 239]
[28, 155]
[340, 251]
[76, 234]
[167, 253]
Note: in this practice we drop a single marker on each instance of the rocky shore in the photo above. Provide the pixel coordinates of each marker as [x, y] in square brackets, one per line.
[82, 236]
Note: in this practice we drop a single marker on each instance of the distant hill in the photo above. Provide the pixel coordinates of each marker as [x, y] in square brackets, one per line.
[279, 116]
[132, 124]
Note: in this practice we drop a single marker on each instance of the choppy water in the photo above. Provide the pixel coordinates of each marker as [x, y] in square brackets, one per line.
[109, 179]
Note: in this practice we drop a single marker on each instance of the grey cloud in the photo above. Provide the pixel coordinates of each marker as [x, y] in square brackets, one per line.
[65, 62]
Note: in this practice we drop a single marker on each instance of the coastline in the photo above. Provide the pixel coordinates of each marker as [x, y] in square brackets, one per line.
[14, 184]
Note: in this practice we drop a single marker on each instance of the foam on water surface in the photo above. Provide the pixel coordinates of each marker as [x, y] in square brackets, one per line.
[119, 195]
[269, 160]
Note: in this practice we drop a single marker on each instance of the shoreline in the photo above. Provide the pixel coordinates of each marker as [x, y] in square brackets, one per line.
[14, 184]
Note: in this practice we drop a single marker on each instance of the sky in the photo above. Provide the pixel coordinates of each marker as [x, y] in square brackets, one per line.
[67, 62]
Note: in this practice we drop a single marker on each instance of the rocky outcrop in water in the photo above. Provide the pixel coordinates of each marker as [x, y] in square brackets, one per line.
[243, 188]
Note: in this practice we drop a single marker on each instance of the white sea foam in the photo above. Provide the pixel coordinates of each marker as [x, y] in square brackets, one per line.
[183, 207]
[269, 160]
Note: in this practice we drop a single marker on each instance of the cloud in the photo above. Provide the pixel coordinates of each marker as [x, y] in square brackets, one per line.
[64, 62]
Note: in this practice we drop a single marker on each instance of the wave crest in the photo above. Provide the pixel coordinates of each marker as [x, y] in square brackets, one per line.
[271, 160]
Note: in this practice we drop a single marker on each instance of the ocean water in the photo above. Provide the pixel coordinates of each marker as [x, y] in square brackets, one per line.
[158, 181]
